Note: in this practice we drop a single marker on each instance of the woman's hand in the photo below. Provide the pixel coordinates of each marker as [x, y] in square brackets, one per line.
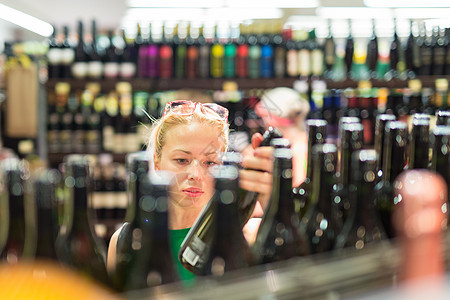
[257, 175]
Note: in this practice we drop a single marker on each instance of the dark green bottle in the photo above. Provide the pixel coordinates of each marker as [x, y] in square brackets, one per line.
[322, 222]
[17, 229]
[47, 226]
[228, 250]
[317, 134]
[145, 259]
[78, 245]
[351, 141]
[394, 162]
[418, 157]
[440, 160]
[380, 126]
[362, 227]
[279, 236]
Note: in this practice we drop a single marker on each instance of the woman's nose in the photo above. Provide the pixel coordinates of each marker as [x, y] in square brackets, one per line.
[195, 171]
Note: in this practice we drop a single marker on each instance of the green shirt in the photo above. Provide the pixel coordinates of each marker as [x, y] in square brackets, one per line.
[176, 237]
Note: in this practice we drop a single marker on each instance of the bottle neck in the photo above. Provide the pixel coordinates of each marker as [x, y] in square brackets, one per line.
[322, 189]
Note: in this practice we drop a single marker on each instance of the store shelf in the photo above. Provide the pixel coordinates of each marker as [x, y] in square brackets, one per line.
[148, 84]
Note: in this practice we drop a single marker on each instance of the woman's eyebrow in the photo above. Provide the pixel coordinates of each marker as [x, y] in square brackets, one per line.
[181, 150]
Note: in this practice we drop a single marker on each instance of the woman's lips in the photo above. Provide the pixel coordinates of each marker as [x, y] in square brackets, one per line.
[193, 192]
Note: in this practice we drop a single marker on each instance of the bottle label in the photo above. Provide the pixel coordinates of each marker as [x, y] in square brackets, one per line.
[67, 56]
[111, 69]
[317, 62]
[304, 62]
[108, 138]
[95, 69]
[193, 252]
[127, 70]
[80, 70]
[292, 64]
[54, 56]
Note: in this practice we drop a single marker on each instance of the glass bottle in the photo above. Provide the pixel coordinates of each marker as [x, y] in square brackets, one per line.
[317, 134]
[17, 234]
[144, 258]
[228, 250]
[47, 226]
[440, 159]
[78, 245]
[351, 141]
[418, 156]
[442, 117]
[372, 52]
[322, 222]
[362, 227]
[279, 236]
[380, 131]
[394, 161]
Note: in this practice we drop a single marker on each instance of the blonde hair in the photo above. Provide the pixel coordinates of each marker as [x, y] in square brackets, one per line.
[161, 126]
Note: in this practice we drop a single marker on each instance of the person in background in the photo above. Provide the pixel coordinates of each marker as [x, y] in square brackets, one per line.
[285, 109]
[187, 140]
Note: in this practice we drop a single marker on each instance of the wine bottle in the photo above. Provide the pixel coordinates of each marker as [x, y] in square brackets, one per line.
[217, 53]
[272, 243]
[278, 44]
[426, 52]
[127, 67]
[67, 55]
[242, 53]
[95, 64]
[91, 123]
[18, 232]
[362, 227]
[351, 141]
[47, 226]
[380, 131]
[394, 161]
[143, 255]
[291, 55]
[442, 117]
[193, 251]
[109, 119]
[317, 134]
[349, 50]
[111, 59]
[152, 56]
[329, 52]
[419, 144]
[80, 65]
[254, 53]
[179, 51]
[372, 52]
[447, 51]
[228, 250]
[192, 52]
[395, 53]
[440, 160]
[438, 51]
[412, 57]
[229, 58]
[321, 221]
[304, 54]
[267, 56]
[166, 55]
[78, 246]
[54, 56]
[317, 55]
[203, 54]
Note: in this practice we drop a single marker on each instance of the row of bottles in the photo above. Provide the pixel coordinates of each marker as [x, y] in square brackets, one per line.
[346, 202]
[252, 51]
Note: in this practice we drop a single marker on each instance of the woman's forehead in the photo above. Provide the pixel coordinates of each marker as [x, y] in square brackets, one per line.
[193, 136]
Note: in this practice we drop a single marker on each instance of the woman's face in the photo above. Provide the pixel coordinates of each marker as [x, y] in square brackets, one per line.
[189, 151]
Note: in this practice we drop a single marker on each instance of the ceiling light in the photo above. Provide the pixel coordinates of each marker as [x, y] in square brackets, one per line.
[273, 4]
[422, 13]
[354, 13]
[407, 3]
[176, 3]
[25, 21]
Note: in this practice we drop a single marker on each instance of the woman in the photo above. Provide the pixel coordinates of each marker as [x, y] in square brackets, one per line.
[187, 140]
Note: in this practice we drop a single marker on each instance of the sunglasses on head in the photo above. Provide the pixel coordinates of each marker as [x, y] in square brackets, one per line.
[186, 108]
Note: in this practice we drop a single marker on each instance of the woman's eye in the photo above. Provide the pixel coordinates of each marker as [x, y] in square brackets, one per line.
[181, 161]
[211, 163]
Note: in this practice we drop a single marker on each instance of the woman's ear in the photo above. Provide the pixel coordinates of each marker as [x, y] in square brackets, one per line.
[156, 162]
